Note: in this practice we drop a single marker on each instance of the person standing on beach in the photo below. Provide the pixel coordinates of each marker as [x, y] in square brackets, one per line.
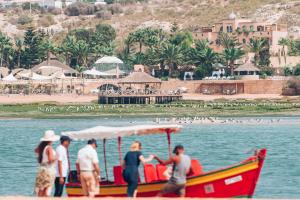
[181, 166]
[62, 165]
[131, 163]
[88, 170]
[46, 158]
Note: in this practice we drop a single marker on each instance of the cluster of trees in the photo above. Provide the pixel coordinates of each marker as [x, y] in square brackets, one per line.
[173, 52]
[289, 71]
[82, 8]
[23, 52]
[80, 47]
[292, 45]
[150, 46]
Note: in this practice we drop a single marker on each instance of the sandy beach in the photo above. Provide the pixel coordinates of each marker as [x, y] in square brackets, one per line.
[83, 198]
[66, 98]
[63, 99]
[193, 96]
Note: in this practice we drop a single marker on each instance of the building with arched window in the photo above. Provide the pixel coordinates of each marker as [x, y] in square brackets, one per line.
[245, 30]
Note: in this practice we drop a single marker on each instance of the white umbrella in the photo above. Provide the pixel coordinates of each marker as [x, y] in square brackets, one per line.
[35, 76]
[109, 60]
[59, 75]
[10, 78]
[115, 72]
[95, 72]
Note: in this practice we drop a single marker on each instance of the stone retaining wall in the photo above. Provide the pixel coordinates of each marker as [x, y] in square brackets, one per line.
[250, 86]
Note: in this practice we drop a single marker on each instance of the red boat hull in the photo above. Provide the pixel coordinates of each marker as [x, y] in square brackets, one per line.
[235, 181]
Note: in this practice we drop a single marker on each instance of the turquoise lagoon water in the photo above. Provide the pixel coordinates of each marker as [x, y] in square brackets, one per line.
[216, 145]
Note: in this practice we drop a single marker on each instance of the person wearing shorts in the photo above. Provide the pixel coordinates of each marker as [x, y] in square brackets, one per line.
[181, 166]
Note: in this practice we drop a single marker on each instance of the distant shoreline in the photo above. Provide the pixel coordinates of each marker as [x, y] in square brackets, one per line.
[216, 108]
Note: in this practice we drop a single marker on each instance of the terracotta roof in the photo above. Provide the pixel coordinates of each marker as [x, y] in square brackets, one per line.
[54, 63]
[247, 67]
[139, 77]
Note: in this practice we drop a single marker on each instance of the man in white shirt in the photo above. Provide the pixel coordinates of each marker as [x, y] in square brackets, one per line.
[62, 166]
[88, 170]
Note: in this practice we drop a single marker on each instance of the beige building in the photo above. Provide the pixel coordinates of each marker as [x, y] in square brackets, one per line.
[245, 29]
[42, 3]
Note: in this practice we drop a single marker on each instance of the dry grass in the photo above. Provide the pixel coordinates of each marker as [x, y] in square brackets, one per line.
[45, 20]
[189, 14]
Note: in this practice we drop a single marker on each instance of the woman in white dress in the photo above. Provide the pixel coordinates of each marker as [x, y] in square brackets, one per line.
[46, 158]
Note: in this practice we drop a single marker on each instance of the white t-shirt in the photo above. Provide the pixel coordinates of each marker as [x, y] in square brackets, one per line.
[63, 157]
[87, 156]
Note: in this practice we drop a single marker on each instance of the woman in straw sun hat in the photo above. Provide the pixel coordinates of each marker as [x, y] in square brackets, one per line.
[46, 159]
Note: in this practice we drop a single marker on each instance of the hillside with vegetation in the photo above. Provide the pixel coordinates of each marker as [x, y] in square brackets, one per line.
[127, 15]
[154, 33]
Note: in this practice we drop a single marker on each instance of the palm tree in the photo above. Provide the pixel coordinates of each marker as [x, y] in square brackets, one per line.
[139, 37]
[171, 55]
[81, 51]
[48, 47]
[284, 42]
[203, 55]
[257, 46]
[231, 55]
[185, 39]
[67, 48]
[80, 69]
[202, 44]
[5, 45]
[228, 41]
[18, 50]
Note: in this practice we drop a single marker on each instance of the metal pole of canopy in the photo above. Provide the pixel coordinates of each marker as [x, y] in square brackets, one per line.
[69, 164]
[119, 149]
[105, 163]
[169, 141]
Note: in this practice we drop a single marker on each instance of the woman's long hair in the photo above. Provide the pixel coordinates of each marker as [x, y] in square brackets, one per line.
[40, 149]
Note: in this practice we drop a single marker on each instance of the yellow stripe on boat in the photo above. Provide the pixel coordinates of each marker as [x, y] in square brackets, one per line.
[118, 190]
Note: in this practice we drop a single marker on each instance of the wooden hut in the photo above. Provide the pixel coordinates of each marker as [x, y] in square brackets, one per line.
[247, 71]
[140, 80]
[138, 88]
[52, 65]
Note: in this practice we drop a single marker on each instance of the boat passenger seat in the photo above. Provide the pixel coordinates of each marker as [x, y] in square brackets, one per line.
[196, 168]
[118, 176]
[160, 170]
[150, 173]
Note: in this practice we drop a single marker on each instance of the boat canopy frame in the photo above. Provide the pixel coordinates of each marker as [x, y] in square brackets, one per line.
[104, 132]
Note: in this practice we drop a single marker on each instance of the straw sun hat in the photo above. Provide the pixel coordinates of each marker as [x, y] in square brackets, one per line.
[49, 136]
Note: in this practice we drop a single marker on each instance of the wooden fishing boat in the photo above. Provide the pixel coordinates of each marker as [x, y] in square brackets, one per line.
[238, 180]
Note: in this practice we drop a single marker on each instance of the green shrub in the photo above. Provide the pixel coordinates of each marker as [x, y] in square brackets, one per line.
[46, 21]
[164, 78]
[23, 20]
[103, 14]
[54, 11]
[287, 71]
[294, 83]
[34, 6]
[80, 8]
[297, 70]
[267, 71]
[109, 1]
[115, 8]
